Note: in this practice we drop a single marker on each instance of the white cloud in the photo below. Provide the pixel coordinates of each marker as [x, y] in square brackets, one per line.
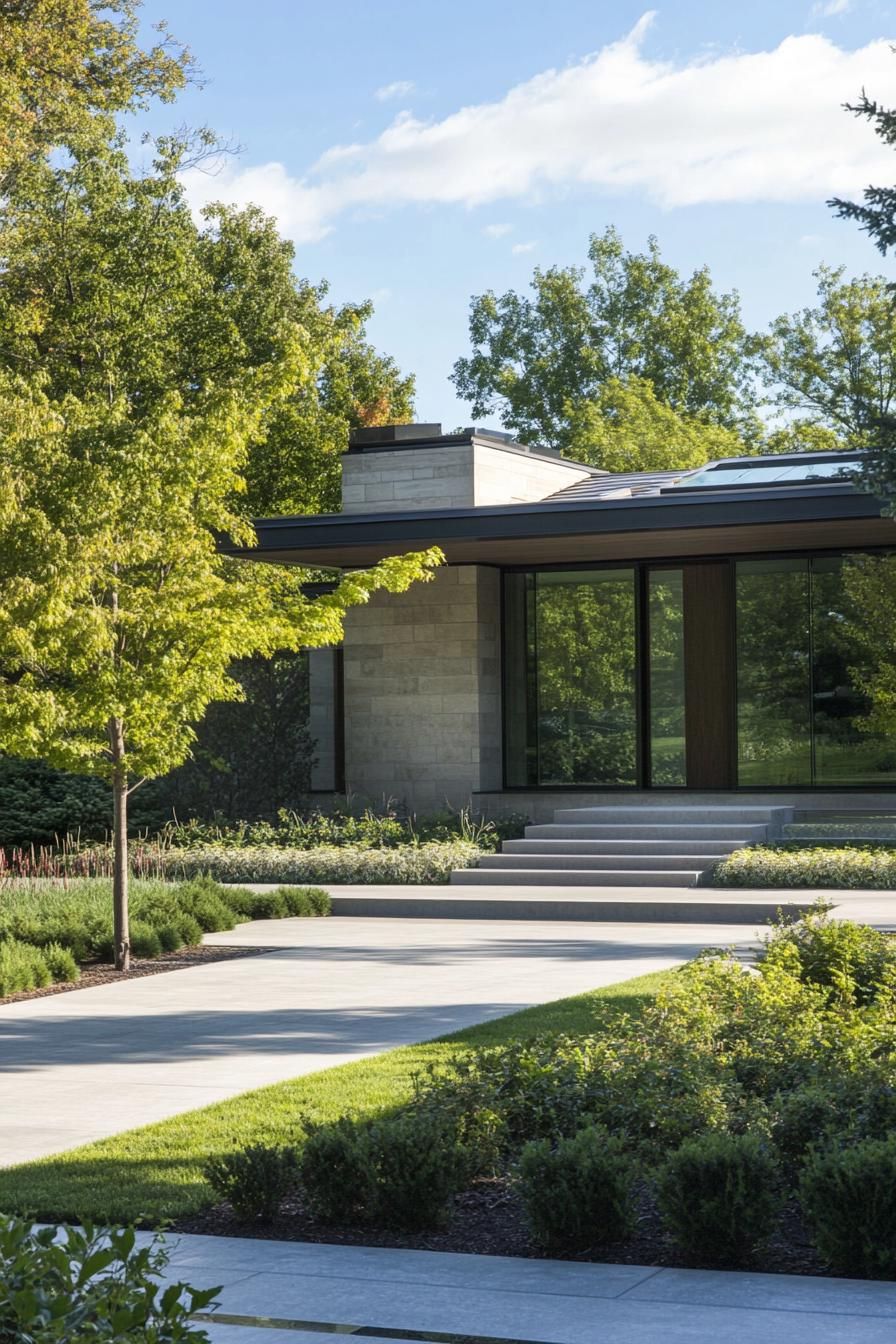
[738, 127]
[828, 8]
[399, 89]
[497, 230]
[523, 247]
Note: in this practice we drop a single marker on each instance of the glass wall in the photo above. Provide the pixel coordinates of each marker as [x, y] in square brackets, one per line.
[595, 674]
[570, 685]
[804, 660]
[665, 613]
[585, 670]
[774, 716]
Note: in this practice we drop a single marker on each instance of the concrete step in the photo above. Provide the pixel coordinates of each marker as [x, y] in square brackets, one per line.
[740, 834]
[566, 877]
[598, 862]
[666, 814]
[528, 903]
[696, 848]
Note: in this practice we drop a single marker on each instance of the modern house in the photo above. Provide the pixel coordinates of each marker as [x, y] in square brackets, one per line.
[595, 637]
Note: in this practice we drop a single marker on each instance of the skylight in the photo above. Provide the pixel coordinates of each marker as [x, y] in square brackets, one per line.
[757, 472]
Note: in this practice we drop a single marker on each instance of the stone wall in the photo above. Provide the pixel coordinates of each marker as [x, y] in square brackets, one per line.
[456, 476]
[422, 691]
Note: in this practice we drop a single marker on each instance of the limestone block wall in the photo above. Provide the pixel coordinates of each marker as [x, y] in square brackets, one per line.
[422, 691]
[455, 476]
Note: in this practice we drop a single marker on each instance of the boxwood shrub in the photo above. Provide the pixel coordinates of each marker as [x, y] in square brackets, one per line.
[578, 1193]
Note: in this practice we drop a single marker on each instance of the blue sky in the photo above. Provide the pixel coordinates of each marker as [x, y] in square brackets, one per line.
[420, 153]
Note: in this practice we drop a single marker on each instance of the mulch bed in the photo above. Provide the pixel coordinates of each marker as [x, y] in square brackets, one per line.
[102, 974]
[488, 1220]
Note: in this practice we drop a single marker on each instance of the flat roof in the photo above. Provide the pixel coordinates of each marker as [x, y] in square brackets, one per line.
[576, 527]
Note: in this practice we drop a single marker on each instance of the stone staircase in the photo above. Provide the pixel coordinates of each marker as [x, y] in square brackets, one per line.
[643, 845]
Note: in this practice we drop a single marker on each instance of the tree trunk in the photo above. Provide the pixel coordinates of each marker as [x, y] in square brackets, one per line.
[122, 932]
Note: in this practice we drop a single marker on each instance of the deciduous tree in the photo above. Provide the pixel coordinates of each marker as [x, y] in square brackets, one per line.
[537, 361]
[132, 387]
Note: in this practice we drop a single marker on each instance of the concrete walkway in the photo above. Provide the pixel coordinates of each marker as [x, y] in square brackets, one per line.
[305, 1290]
[84, 1065]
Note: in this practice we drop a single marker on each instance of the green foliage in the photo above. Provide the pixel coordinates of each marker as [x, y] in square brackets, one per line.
[804, 1116]
[577, 1194]
[368, 829]
[61, 964]
[537, 362]
[91, 1284]
[398, 1171]
[39, 804]
[854, 960]
[22, 967]
[849, 1198]
[835, 365]
[335, 1172]
[255, 1180]
[816, 866]
[626, 427]
[718, 1195]
[426, 863]
[76, 921]
[67, 67]
[415, 1164]
[124, 461]
[145, 942]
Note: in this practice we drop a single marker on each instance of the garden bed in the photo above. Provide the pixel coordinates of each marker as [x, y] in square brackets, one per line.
[489, 1219]
[102, 973]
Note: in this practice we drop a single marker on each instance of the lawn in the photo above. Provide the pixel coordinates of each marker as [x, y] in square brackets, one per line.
[153, 1174]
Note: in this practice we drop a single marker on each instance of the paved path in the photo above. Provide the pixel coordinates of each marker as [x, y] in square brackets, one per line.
[81, 1066]
[84, 1065]
[408, 1292]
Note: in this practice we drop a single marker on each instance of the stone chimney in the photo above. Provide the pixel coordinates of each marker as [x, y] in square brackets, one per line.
[397, 468]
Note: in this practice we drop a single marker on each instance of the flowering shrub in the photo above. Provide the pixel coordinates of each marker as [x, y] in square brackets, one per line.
[426, 863]
[820, 866]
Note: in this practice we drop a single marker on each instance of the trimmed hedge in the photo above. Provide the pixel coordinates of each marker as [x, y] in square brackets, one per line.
[819, 866]
[427, 863]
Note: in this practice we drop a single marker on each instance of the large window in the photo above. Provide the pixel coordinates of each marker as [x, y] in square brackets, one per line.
[610, 681]
[571, 687]
[803, 662]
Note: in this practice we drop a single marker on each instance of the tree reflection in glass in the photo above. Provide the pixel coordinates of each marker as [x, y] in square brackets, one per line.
[585, 658]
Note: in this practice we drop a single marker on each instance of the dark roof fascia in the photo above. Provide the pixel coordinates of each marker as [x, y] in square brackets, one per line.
[564, 518]
[477, 438]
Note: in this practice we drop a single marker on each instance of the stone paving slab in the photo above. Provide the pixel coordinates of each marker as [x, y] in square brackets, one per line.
[505, 1299]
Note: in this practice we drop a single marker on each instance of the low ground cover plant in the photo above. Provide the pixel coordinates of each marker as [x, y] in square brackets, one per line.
[739, 1091]
[49, 929]
[90, 1284]
[833, 866]
[430, 862]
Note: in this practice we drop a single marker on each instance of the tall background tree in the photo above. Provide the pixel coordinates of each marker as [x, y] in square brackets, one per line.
[544, 364]
[831, 368]
[68, 67]
[876, 214]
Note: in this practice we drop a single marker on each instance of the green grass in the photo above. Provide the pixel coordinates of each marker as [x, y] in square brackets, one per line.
[154, 1174]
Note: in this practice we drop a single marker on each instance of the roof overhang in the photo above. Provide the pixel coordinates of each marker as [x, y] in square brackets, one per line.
[572, 531]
